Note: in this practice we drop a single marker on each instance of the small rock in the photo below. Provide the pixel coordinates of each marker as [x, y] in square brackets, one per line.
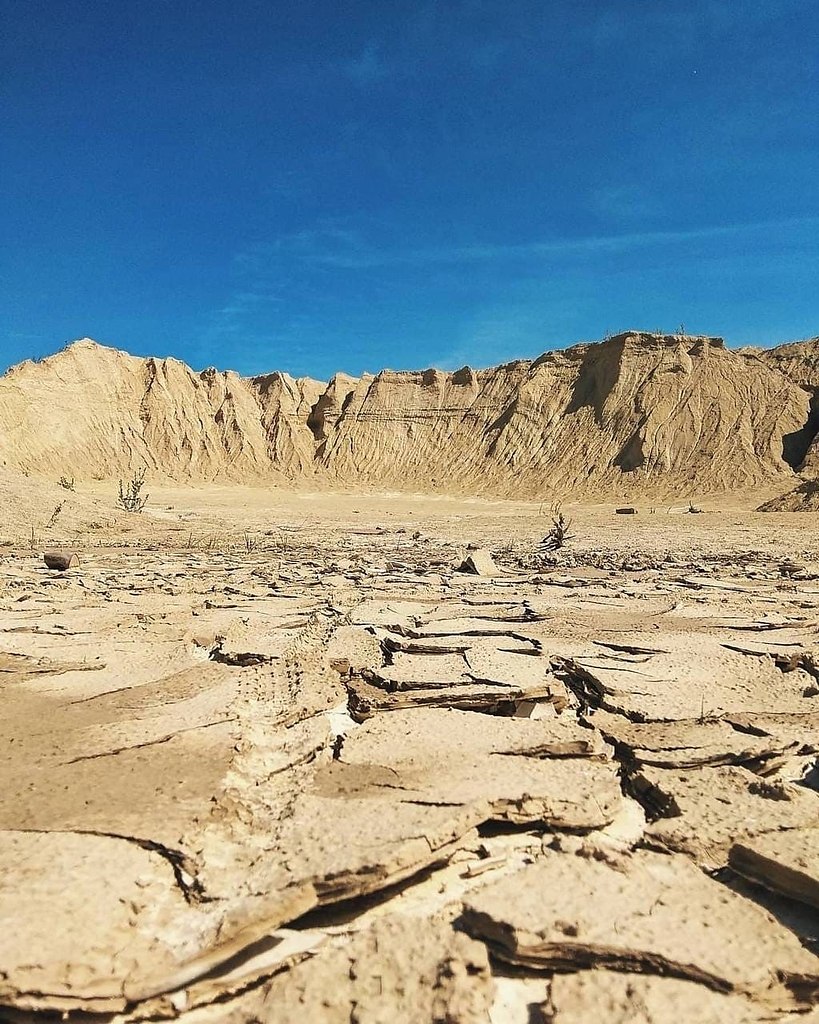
[479, 563]
[61, 560]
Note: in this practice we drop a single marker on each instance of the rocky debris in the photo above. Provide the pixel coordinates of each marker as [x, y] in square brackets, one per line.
[786, 862]
[702, 813]
[650, 913]
[802, 498]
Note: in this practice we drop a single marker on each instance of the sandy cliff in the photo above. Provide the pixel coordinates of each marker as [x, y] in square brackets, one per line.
[636, 413]
[799, 361]
[95, 412]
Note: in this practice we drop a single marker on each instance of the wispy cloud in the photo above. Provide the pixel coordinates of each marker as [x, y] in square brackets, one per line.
[346, 249]
[231, 317]
[288, 185]
[342, 286]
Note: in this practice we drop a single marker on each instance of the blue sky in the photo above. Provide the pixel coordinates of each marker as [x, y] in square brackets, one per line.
[315, 186]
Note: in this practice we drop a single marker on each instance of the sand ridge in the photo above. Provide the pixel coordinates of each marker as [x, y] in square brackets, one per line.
[637, 414]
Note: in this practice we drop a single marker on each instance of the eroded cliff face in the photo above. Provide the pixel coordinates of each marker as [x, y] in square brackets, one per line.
[638, 412]
[799, 362]
[91, 411]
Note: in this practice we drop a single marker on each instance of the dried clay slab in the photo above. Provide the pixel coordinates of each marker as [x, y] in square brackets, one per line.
[693, 677]
[648, 913]
[366, 700]
[89, 918]
[787, 862]
[703, 812]
[691, 744]
[435, 737]
[610, 997]
[802, 729]
[401, 968]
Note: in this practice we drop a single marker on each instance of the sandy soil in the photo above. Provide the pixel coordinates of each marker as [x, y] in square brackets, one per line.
[270, 756]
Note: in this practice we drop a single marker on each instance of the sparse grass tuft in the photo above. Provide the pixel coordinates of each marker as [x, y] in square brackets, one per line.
[66, 484]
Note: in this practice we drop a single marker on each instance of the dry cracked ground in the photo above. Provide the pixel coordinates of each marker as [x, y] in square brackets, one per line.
[318, 774]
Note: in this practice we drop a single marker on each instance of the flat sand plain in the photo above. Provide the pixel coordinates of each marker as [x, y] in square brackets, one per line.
[272, 757]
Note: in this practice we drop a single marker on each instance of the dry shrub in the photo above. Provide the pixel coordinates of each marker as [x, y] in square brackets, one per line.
[560, 531]
[130, 496]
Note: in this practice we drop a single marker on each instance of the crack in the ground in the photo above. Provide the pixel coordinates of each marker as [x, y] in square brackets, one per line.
[183, 871]
[148, 743]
